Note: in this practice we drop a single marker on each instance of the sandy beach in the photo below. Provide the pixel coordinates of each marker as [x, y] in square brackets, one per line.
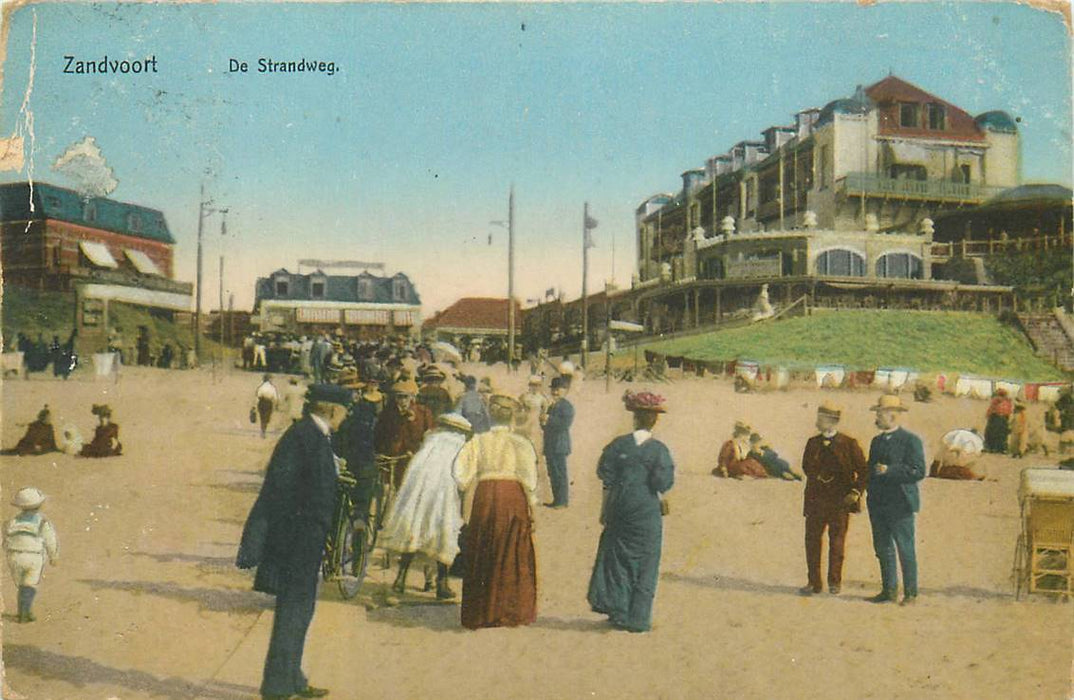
[146, 602]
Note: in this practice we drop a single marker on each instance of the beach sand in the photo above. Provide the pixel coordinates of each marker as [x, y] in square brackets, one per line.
[146, 602]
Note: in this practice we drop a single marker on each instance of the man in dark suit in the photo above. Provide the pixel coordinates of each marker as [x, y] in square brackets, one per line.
[836, 477]
[557, 441]
[285, 534]
[896, 464]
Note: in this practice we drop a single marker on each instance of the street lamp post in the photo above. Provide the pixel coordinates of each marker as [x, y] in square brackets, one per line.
[204, 210]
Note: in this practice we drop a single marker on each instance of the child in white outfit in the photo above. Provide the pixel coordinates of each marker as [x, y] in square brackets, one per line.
[28, 538]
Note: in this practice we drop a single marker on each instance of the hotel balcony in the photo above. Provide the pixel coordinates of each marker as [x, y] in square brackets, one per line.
[857, 184]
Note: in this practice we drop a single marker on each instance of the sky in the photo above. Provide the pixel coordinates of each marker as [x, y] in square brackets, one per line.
[407, 153]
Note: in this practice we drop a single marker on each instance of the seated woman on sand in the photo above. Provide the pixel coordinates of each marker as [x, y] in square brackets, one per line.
[735, 460]
[959, 449]
[106, 438]
[39, 438]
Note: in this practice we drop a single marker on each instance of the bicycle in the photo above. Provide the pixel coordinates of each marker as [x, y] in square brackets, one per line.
[343, 561]
[383, 497]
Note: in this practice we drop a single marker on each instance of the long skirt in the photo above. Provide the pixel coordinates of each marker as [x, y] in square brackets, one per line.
[499, 587]
[626, 570]
[996, 432]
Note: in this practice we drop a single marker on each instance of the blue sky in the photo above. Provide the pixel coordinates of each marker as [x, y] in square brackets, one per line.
[406, 154]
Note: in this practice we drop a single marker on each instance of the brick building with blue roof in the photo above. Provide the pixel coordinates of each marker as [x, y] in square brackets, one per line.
[55, 238]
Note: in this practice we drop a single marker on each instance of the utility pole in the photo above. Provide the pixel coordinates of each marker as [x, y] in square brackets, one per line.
[585, 279]
[511, 279]
[223, 232]
[197, 303]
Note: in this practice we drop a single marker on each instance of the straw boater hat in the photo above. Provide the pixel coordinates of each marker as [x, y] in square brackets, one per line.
[408, 387]
[827, 408]
[889, 402]
[644, 401]
[28, 498]
[456, 421]
[372, 394]
[504, 401]
[350, 381]
[535, 380]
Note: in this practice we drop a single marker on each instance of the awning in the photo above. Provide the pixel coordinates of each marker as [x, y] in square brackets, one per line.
[142, 263]
[906, 152]
[137, 296]
[98, 254]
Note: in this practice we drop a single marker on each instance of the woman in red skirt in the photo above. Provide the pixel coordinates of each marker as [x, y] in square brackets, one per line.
[497, 471]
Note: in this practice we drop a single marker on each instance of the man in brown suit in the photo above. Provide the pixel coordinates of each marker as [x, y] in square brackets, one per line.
[836, 476]
[401, 426]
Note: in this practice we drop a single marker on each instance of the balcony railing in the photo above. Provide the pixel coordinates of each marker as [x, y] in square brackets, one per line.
[931, 190]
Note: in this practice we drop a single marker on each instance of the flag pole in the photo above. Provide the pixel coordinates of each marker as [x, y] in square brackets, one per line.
[585, 274]
[511, 279]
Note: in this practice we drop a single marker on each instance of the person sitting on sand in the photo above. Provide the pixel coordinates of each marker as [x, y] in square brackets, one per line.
[106, 437]
[959, 450]
[774, 465]
[39, 439]
[735, 460]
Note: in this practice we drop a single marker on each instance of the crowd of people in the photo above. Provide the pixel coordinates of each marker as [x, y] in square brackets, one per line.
[37, 355]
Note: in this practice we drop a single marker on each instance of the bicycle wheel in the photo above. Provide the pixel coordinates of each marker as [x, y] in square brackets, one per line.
[331, 563]
[352, 554]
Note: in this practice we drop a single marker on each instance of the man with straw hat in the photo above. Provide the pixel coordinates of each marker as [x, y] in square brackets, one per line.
[896, 464]
[402, 425]
[836, 477]
[28, 539]
[635, 469]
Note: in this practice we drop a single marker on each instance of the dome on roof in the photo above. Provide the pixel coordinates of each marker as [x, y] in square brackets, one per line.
[859, 104]
[1040, 193]
[997, 121]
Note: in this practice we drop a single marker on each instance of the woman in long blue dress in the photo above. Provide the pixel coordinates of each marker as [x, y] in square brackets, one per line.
[635, 469]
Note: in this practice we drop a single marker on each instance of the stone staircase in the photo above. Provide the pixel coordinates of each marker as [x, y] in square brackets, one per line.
[1050, 338]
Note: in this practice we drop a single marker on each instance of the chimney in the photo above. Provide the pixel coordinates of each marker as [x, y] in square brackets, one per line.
[804, 121]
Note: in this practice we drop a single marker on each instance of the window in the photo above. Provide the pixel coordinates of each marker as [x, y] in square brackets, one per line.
[904, 171]
[89, 211]
[365, 288]
[822, 167]
[282, 288]
[937, 118]
[317, 290]
[399, 289]
[908, 115]
[964, 173]
[899, 265]
[134, 222]
[769, 189]
[841, 262]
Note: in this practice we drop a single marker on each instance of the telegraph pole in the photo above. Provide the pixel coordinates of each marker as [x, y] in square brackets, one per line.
[511, 279]
[585, 279]
[197, 303]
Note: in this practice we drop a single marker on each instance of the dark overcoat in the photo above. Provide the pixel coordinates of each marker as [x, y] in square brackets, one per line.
[285, 532]
[557, 428]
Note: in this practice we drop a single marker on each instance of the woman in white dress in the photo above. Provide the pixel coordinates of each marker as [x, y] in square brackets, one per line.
[426, 516]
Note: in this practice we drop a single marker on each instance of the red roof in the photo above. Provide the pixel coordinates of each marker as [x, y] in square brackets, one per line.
[476, 313]
[890, 91]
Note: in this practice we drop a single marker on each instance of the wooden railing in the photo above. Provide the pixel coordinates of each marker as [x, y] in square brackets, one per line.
[995, 246]
[932, 190]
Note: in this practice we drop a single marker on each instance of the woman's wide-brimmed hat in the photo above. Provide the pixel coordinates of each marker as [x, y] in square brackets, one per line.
[456, 421]
[645, 401]
[889, 402]
[101, 409]
[28, 497]
[536, 380]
